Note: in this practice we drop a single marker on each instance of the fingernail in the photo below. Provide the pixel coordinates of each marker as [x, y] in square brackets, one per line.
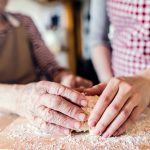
[77, 125]
[82, 116]
[106, 135]
[84, 103]
[95, 132]
[66, 131]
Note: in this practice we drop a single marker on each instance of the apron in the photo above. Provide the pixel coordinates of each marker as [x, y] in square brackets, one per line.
[131, 39]
[16, 65]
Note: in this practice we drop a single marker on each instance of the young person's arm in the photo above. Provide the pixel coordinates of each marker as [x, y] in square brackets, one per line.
[100, 44]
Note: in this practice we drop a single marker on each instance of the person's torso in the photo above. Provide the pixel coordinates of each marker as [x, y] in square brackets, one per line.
[16, 62]
[131, 38]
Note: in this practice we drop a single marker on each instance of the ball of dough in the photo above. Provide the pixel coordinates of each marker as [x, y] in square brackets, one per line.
[91, 103]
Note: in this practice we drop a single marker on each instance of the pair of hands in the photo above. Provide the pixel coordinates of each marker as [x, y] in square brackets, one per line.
[56, 109]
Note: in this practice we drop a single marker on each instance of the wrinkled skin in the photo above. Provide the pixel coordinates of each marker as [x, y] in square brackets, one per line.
[52, 107]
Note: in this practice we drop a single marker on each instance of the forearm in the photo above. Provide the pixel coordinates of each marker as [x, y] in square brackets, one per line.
[8, 97]
[102, 62]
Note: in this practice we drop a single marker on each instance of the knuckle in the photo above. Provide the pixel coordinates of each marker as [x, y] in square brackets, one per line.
[105, 98]
[103, 125]
[57, 102]
[55, 117]
[115, 108]
[126, 113]
[72, 94]
[126, 87]
[49, 115]
[61, 90]
[67, 92]
[115, 81]
[42, 83]
[72, 111]
[75, 96]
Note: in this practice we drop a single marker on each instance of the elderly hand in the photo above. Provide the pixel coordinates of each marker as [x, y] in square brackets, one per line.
[70, 80]
[122, 101]
[53, 107]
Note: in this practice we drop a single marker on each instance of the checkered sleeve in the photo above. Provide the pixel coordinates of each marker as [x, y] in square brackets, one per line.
[99, 25]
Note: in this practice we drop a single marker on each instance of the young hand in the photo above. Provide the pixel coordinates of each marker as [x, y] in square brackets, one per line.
[122, 101]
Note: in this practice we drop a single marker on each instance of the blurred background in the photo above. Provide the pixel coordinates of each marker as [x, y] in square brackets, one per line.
[64, 26]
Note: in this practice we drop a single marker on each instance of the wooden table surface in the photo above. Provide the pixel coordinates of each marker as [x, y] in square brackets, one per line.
[17, 133]
[6, 120]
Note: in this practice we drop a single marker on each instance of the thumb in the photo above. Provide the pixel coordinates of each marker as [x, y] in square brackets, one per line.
[95, 90]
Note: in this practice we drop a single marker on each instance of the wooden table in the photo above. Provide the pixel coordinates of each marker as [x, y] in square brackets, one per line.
[17, 133]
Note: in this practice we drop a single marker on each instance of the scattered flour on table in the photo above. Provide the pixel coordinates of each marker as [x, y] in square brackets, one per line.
[29, 137]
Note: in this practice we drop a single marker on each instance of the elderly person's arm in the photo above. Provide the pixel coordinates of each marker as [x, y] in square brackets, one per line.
[100, 44]
[50, 106]
[46, 60]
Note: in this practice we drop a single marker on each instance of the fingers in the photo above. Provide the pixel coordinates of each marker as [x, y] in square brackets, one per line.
[112, 111]
[57, 118]
[120, 119]
[80, 82]
[103, 102]
[81, 90]
[133, 117]
[69, 81]
[67, 93]
[61, 105]
[49, 128]
[76, 82]
[95, 90]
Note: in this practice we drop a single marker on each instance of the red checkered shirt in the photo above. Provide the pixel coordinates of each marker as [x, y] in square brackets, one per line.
[131, 38]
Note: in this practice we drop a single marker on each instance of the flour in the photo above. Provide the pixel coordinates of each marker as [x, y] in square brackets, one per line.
[25, 136]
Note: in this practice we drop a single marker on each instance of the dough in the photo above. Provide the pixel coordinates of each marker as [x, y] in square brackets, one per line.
[91, 103]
